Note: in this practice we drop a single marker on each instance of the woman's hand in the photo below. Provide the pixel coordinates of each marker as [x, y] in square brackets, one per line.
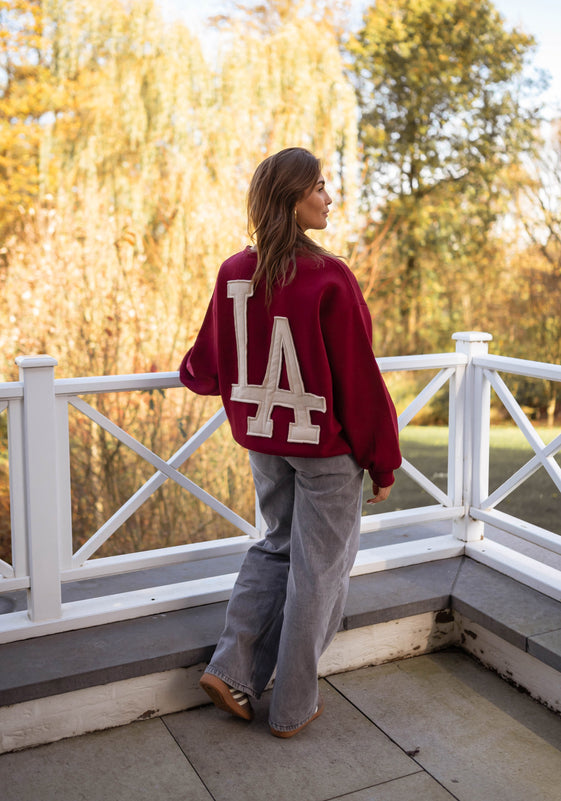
[379, 493]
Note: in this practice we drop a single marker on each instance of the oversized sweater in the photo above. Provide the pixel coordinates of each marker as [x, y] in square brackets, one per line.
[298, 377]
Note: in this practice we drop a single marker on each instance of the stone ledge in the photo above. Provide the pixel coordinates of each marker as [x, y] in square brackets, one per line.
[118, 703]
[96, 656]
[547, 648]
[401, 592]
[506, 607]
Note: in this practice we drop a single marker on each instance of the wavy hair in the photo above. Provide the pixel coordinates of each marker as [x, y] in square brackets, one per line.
[278, 183]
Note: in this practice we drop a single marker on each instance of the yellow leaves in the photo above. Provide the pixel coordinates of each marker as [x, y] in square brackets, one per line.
[403, 49]
[127, 237]
[148, 157]
[284, 88]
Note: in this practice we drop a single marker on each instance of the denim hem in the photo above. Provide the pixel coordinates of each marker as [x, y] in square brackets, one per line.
[293, 726]
[237, 685]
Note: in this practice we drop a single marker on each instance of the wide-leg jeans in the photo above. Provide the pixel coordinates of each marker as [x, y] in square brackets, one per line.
[288, 600]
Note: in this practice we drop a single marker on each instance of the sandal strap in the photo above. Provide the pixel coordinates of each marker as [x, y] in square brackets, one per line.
[239, 697]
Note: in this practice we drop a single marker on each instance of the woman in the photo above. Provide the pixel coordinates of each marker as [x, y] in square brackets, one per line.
[287, 342]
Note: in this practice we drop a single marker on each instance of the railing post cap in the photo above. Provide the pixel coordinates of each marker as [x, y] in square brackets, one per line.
[42, 360]
[472, 336]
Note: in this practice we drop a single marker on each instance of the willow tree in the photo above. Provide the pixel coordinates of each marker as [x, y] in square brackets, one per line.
[282, 83]
[143, 172]
[26, 95]
[441, 88]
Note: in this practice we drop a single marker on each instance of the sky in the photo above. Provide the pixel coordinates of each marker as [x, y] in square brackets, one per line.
[541, 18]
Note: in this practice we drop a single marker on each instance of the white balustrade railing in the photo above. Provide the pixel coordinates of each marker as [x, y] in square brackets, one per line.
[40, 491]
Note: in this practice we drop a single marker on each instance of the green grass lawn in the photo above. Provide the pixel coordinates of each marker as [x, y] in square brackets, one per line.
[537, 500]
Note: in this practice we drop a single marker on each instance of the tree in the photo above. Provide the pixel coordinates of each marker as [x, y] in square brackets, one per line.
[27, 94]
[535, 301]
[539, 204]
[441, 89]
[267, 17]
[144, 166]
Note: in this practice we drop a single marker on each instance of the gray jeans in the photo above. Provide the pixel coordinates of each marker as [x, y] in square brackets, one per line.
[288, 600]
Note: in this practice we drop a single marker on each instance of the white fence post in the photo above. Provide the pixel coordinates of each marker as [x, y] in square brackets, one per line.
[20, 560]
[41, 496]
[474, 399]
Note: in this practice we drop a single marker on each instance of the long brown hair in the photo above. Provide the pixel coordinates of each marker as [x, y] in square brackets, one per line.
[278, 183]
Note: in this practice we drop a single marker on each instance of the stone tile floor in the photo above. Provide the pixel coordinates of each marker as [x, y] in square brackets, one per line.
[433, 728]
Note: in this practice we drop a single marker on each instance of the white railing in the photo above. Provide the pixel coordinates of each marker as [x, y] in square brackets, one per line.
[40, 492]
[482, 509]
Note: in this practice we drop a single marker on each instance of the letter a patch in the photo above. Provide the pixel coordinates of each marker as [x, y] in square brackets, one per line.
[269, 394]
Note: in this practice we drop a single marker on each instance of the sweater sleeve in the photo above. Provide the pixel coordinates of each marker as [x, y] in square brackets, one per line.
[199, 367]
[362, 402]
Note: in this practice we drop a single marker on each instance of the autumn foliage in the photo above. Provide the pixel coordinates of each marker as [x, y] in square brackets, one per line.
[126, 148]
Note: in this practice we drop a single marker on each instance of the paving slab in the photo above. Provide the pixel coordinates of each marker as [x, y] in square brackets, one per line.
[418, 786]
[140, 762]
[475, 745]
[340, 752]
[519, 706]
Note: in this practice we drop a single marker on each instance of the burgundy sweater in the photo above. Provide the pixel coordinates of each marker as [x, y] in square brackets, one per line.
[298, 378]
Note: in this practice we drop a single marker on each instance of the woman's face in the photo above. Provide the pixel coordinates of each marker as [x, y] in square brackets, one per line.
[312, 210]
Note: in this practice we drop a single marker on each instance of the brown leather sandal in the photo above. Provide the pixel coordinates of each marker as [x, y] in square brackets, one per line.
[227, 698]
